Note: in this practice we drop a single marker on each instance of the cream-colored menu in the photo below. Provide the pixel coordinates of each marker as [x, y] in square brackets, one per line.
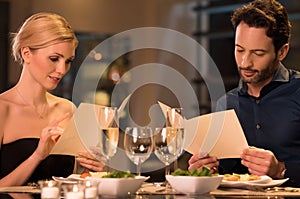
[82, 131]
[219, 134]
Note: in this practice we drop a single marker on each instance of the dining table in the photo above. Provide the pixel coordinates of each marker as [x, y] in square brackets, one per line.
[153, 192]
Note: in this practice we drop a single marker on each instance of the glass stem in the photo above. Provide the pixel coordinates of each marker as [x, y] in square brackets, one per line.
[175, 164]
[168, 186]
[138, 169]
[167, 169]
[107, 166]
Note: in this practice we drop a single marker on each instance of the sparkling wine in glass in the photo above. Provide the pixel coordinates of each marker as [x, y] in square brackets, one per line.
[138, 145]
[174, 123]
[108, 135]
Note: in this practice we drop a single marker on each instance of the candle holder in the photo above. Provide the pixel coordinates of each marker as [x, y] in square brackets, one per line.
[74, 190]
[50, 189]
[91, 189]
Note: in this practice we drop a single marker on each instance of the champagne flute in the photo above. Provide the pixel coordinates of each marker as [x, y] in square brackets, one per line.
[174, 122]
[108, 136]
[174, 117]
[138, 145]
[168, 146]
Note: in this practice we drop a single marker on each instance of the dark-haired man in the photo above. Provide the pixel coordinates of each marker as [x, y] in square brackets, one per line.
[267, 99]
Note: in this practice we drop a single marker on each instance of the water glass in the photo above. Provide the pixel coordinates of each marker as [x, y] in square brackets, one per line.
[168, 145]
[138, 145]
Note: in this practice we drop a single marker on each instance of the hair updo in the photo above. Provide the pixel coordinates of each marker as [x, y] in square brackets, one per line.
[42, 30]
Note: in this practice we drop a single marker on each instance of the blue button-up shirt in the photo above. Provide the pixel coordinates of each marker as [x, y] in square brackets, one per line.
[271, 121]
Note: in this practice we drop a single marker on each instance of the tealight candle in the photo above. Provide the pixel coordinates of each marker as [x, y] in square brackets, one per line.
[91, 192]
[75, 195]
[49, 192]
[74, 191]
[50, 189]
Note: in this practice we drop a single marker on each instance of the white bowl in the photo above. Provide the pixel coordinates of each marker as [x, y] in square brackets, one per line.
[118, 186]
[194, 184]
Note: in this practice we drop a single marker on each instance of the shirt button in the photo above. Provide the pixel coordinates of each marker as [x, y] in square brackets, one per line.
[257, 101]
[258, 126]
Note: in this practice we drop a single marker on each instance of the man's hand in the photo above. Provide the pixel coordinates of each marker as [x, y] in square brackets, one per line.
[262, 162]
[197, 162]
[90, 163]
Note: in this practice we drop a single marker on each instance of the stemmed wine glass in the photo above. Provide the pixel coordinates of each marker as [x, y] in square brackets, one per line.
[174, 121]
[108, 136]
[168, 145]
[138, 145]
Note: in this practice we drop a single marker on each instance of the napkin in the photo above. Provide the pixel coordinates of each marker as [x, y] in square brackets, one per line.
[219, 134]
[20, 189]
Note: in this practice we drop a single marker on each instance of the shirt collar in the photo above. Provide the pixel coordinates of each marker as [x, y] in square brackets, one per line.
[282, 75]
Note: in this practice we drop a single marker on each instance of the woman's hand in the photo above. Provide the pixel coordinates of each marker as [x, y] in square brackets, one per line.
[211, 162]
[88, 161]
[262, 162]
[49, 137]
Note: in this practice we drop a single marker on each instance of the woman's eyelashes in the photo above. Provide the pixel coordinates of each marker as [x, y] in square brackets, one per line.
[69, 61]
[54, 59]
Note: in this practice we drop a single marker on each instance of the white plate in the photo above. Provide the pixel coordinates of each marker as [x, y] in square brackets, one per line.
[264, 182]
[73, 178]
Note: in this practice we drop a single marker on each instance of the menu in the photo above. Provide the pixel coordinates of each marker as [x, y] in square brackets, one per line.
[82, 130]
[218, 134]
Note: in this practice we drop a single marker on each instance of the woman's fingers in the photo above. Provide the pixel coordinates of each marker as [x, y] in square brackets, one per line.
[53, 130]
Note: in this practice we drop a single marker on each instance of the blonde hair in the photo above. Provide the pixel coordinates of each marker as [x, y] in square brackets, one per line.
[42, 30]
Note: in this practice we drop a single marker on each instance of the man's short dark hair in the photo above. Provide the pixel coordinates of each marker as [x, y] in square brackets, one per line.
[268, 14]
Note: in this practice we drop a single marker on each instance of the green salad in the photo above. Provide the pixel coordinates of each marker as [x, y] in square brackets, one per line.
[195, 172]
[119, 174]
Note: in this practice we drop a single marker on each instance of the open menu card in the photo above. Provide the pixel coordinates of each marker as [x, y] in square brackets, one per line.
[218, 134]
[82, 131]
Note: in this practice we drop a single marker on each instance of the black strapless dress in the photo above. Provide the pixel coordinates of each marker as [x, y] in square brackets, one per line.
[14, 153]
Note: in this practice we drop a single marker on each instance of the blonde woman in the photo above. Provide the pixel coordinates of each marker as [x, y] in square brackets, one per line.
[32, 119]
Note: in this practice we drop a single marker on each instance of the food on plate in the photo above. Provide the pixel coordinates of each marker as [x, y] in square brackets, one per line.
[97, 174]
[84, 175]
[241, 177]
[112, 174]
[119, 174]
[195, 172]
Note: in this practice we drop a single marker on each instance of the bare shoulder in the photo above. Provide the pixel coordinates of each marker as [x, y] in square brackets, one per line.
[59, 107]
[60, 103]
[6, 103]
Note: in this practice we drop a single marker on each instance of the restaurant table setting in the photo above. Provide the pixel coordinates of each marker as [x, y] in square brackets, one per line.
[95, 129]
[157, 190]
